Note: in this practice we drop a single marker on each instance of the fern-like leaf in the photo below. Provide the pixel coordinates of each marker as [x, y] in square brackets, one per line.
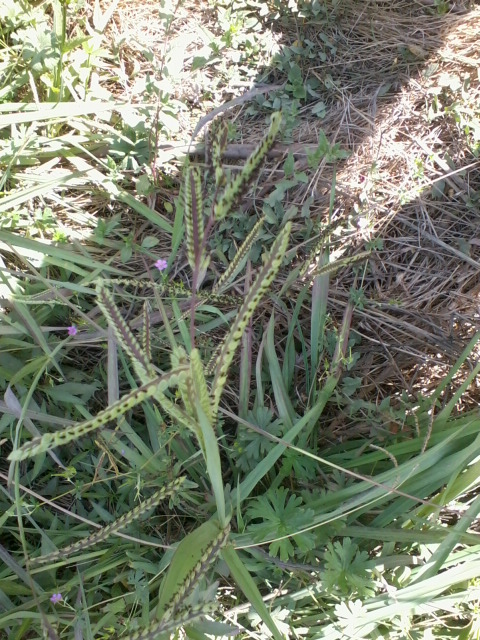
[120, 523]
[259, 287]
[235, 187]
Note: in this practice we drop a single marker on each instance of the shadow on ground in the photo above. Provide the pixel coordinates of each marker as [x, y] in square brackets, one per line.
[397, 85]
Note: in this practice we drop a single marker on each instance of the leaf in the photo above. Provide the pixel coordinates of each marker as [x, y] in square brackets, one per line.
[281, 514]
[252, 446]
[289, 165]
[198, 62]
[245, 581]
[319, 109]
[143, 186]
[192, 558]
[347, 569]
[149, 242]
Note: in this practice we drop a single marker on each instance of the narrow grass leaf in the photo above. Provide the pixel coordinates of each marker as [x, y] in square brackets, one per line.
[306, 423]
[192, 557]
[120, 194]
[284, 405]
[68, 256]
[437, 561]
[33, 112]
[245, 581]
[317, 323]
[16, 409]
[18, 197]
[214, 465]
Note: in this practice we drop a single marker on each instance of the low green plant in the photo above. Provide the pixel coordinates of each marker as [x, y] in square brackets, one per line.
[200, 402]
[225, 396]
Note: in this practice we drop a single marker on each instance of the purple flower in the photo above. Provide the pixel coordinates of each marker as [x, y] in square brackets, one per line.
[72, 330]
[56, 597]
[161, 264]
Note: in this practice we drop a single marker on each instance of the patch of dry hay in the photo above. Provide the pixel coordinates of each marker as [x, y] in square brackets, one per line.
[416, 185]
[411, 181]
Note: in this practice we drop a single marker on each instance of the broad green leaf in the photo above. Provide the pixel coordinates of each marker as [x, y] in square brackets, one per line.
[193, 557]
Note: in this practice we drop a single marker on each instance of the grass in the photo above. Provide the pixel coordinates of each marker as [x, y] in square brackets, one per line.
[239, 372]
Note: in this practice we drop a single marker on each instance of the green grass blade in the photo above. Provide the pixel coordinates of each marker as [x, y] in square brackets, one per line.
[192, 558]
[245, 581]
[317, 323]
[18, 197]
[214, 465]
[437, 561]
[67, 255]
[283, 402]
[121, 195]
[306, 423]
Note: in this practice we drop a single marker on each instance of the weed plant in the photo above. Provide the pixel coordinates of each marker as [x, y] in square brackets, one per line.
[164, 466]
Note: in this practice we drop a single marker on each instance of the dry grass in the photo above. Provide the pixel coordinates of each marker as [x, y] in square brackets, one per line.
[423, 285]
[410, 180]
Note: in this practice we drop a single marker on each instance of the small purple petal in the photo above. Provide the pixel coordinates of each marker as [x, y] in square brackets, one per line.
[72, 330]
[161, 264]
[56, 597]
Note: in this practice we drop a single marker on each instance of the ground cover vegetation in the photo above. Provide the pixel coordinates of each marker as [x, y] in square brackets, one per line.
[239, 285]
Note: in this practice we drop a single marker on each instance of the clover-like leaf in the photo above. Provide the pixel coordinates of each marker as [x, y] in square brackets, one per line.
[281, 515]
[347, 569]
